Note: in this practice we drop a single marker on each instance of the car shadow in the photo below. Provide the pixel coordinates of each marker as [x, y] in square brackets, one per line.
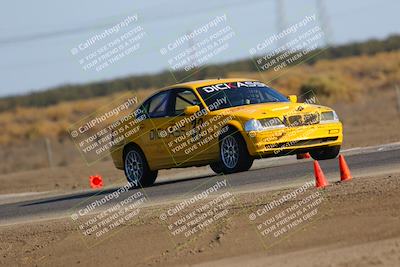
[182, 180]
[108, 191]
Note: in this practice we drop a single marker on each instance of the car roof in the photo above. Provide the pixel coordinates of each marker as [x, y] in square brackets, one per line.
[201, 83]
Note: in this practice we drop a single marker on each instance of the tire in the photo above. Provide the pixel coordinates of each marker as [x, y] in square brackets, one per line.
[136, 168]
[216, 167]
[233, 153]
[325, 153]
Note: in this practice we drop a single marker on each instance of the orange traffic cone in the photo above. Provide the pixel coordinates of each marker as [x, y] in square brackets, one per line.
[96, 181]
[303, 156]
[345, 174]
[320, 179]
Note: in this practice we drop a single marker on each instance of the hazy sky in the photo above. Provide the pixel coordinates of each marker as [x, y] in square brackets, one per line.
[37, 36]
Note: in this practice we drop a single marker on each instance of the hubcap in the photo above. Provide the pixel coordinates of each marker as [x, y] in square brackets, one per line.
[230, 151]
[134, 166]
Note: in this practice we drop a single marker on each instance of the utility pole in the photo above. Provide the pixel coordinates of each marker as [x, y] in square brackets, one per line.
[49, 152]
[280, 20]
[324, 21]
[398, 97]
[192, 60]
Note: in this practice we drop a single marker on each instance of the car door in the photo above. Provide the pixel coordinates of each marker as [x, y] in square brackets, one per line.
[184, 130]
[152, 129]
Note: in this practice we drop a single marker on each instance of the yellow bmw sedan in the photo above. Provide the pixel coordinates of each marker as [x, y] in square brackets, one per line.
[224, 123]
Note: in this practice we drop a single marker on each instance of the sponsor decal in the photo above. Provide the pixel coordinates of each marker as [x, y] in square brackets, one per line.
[232, 85]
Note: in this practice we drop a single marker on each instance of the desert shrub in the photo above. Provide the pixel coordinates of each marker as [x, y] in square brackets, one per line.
[330, 86]
[64, 93]
[333, 80]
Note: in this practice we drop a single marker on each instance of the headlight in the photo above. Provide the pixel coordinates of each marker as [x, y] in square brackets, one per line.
[263, 124]
[329, 116]
[253, 125]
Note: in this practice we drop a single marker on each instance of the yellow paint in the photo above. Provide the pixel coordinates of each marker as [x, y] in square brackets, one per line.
[160, 155]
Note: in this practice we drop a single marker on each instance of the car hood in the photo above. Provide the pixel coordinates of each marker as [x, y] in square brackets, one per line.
[270, 110]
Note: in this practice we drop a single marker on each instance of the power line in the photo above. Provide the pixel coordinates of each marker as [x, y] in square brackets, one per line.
[98, 26]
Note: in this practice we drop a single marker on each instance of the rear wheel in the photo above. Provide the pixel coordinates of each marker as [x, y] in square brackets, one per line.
[330, 152]
[136, 169]
[233, 154]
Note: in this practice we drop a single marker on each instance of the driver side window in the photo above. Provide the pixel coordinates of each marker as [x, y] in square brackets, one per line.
[158, 105]
[184, 99]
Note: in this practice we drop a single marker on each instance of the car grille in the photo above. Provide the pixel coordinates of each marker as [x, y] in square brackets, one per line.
[314, 141]
[301, 120]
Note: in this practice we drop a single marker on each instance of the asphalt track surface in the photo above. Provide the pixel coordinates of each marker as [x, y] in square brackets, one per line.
[281, 173]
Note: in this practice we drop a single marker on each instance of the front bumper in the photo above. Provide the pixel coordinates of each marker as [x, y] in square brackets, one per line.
[292, 140]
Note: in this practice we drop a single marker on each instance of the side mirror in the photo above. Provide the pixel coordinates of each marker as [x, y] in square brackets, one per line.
[190, 110]
[292, 98]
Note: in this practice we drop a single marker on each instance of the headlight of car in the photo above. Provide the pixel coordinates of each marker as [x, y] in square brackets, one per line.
[253, 125]
[263, 124]
[329, 116]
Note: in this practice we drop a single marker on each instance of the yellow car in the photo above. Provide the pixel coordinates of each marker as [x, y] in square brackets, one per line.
[224, 123]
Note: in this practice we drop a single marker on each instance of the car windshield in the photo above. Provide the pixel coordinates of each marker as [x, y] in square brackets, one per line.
[226, 95]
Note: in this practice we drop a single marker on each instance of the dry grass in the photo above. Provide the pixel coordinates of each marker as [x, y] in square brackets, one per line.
[28, 124]
[335, 82]
[331, 80]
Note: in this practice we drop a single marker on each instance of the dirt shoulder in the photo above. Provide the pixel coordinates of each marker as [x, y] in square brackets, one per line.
[356, 224]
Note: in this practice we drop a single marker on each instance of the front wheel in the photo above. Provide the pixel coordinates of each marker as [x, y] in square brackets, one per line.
[136, 169]
[216, 167]
[330, 152]
[233, 154]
